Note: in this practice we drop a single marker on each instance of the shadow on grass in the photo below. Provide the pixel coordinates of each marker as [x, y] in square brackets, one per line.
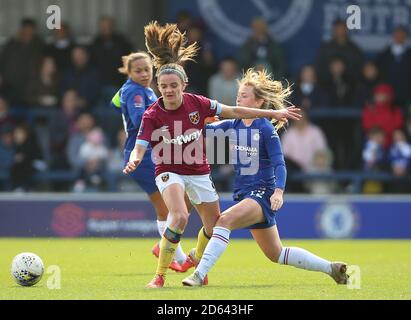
[183, 288]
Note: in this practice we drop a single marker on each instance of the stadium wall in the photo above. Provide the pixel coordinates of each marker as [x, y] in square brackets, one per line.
[130, 215]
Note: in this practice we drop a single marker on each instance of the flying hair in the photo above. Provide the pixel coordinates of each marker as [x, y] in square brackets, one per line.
[166, 45]
[273, 92]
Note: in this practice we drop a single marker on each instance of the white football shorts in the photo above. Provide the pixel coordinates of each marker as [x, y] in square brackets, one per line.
[198, 188]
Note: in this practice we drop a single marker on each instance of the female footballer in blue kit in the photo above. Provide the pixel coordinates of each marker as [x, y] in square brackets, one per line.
[260, 195]
[134, 97]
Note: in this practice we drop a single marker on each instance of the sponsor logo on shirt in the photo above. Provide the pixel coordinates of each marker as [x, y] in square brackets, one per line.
[184, 138]
[256, 137]
[138, 101]
[251, 151]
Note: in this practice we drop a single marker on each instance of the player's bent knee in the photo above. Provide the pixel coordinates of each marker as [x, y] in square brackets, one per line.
[275, 254]
[180, 219]
[224, 221]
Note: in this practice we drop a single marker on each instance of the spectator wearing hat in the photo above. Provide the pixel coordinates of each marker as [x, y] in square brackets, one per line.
[383, 113]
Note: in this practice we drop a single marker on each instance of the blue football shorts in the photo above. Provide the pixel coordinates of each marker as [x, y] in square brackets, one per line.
[262, 196]
[144, 174]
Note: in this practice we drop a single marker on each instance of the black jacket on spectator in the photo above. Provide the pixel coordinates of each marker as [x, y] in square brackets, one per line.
[340, 92]
[349, 53]
[23, 168]
[106, 54]
[85, 81]
[315, 99]
[61, 54]
[248, 56]
[397, 72]
[365, 92]
[17, 60]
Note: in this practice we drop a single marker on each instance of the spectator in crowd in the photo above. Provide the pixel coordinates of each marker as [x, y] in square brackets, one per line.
[84, 124]
[307, 93]
[408, 122]
[90, 178]
[27, 158]
[107, 49]
[373, 154]
[93, 155]
[223, 85]
[383, 113]
[6, 155]
[44, 84]
[339, 86]
[82, 77]
[321, 164]
[343, 47]
[6, 147]
[115, 161]
[5, 118]
[302, 141]
[115, 164]
[370, 78]
[4, 90]
[261, 51]
[374, 159]
[184, 21]
[19, 57]
[344, 133]
[94, 147]
[62, 125]
[395, 65]
[400, 161]
[61, 46]
[200, 71]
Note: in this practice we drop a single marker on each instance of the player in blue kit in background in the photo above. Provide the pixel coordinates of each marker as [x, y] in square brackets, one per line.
[260, 192]
[133, 98]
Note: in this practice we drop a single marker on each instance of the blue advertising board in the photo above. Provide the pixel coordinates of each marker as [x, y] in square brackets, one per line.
[133, 216]
[298, 25]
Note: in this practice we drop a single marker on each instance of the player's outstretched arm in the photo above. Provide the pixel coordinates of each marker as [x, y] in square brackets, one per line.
[135, 159]
[229, 112]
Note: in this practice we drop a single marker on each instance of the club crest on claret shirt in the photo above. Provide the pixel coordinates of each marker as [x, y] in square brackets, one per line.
[194, 117]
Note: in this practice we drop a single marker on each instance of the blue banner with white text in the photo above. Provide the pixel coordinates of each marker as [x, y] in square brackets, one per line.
[298, 25]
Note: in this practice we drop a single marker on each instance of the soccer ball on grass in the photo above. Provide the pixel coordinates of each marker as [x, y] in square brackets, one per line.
[27, 269]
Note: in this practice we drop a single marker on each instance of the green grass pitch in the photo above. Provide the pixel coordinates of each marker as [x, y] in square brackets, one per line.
[120, 268]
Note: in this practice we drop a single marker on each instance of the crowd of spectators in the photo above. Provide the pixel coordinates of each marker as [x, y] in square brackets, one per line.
[69, 86]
